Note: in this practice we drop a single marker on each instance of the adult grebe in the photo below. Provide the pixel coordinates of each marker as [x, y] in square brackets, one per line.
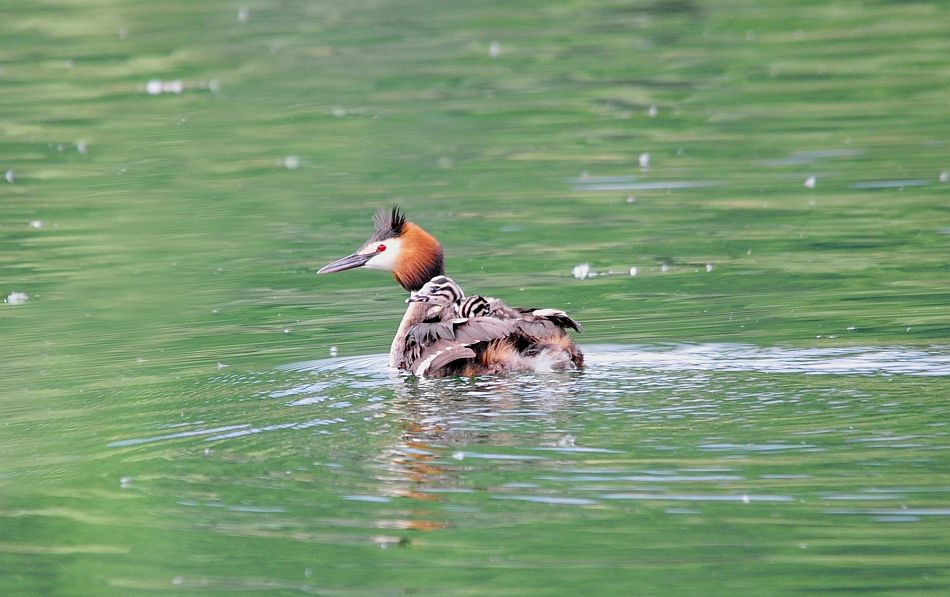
[445, 333]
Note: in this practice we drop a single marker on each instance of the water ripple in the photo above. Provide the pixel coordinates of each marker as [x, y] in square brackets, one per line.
[159, 438]
[851, 360]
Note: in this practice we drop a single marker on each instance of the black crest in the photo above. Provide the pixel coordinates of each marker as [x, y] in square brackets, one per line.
[388, 224]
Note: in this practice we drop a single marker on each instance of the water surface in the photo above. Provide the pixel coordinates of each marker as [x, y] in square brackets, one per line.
[744, 203]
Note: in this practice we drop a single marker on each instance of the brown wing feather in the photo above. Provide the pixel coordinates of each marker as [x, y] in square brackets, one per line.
[451, 341]
[423, 335]
[535, 330]
[482, 329]
[439, 355]
[427, 333]
[558, 317]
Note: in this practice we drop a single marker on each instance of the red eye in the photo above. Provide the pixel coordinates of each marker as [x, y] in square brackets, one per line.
[380, 248]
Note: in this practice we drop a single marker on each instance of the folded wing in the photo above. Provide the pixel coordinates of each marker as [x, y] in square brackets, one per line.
[430, 346]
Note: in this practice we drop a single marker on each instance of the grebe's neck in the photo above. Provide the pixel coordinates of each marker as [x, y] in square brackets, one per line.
[415, 313]
[420, 258]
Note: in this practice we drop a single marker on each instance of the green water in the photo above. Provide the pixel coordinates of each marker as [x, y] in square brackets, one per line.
[766, 403]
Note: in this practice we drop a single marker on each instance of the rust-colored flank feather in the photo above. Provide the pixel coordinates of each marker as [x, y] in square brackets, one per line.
[497, 357]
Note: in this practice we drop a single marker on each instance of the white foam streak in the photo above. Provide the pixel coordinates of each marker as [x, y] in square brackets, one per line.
[866, 360]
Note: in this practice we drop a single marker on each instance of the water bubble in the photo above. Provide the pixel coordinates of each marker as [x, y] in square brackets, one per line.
[9, 177]
[243, 15]
[291, 162]
[634, 271]
[811, 181]
[709, 267]
[581, 271]
[16, 298]
[158, 87]
[494, 49]
[125, 482]
[652, 111]
[944, 176]
[644, 160]
[221, 366]
[458, 455]
[36, 224]
[664, 268]
[334, 351]
[631, 199]
[338, 111]
[82, 147]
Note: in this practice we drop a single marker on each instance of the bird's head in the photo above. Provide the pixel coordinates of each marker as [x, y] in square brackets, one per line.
[440, 290]
[412, 255]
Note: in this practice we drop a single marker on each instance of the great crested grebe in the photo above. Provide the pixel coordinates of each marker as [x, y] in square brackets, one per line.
[443, 332]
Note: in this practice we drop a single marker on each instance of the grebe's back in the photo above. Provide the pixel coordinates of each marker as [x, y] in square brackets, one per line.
[477, 335]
